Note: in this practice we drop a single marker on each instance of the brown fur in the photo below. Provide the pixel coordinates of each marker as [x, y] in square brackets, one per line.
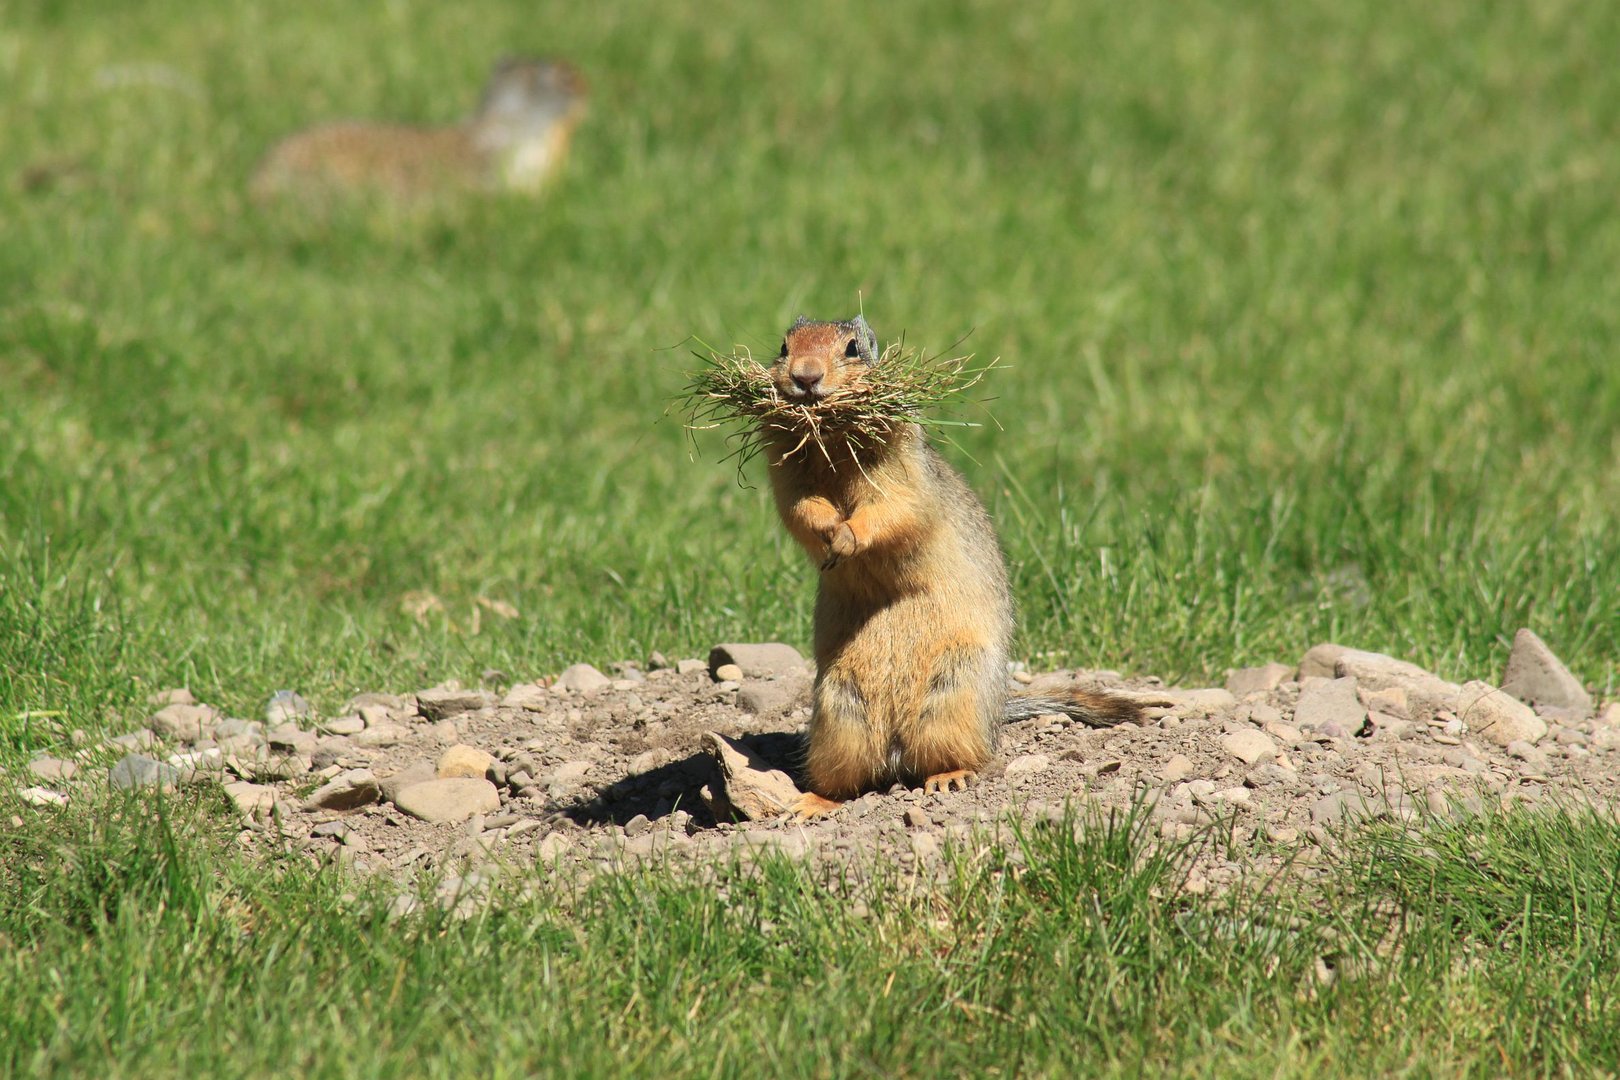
[516, 141]
[914, 614]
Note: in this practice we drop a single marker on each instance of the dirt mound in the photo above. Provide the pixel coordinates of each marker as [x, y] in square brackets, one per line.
[589, 770]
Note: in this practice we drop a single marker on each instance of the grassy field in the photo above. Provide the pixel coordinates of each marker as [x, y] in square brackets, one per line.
[160, 952]
[1308, 312]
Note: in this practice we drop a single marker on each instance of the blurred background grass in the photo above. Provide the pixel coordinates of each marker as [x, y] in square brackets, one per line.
[1308, 311]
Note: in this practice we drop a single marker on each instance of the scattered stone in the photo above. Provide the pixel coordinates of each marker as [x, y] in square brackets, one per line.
[728, 673]
[39, 796]
[638, 825]
[464, 760]
[286, 707]
[381, 736]
[1497, 716]
[757, 661]
[251, 800]
[449, 800]
[53, 770]
[582, 679]
[139, 771]
[336, 830]
[530, 696]
[752, 788]
[133, 741]
[417, 772]
[1287, 734]
[569, 772]
[916, 818]
[1249, 746]
[1177, 769]
[1391, 701]
[347, 791]
[1330, 701]
[1340, 805]
[188, 723]
[1538, 678]
[178, 696]
[554, 844]
[1257, 680]
[290, 739]
[1321, 661]
[690, 667]
[443, 702]
[239, 736]
[1028, 765]
[343, 725]
[1609, 715]
[1425, 691]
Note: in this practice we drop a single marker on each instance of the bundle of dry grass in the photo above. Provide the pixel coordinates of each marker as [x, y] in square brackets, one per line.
[904, 386]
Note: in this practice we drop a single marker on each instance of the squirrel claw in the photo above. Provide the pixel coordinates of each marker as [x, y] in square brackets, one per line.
[810, 805]
[955, 780]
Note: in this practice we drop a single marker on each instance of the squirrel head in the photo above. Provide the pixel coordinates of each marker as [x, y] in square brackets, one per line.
[526, 93]
[818, 358]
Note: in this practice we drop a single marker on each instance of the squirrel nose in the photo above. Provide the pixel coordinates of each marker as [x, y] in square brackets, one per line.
[807, 380]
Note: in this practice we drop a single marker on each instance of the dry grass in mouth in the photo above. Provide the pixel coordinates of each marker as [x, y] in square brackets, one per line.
[904, 386]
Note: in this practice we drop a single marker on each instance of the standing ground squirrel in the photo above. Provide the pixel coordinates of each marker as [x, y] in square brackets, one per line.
[914, 614]
[517, 139]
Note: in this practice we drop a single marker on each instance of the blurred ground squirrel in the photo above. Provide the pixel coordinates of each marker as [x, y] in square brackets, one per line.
[914, 614]
[516, 141]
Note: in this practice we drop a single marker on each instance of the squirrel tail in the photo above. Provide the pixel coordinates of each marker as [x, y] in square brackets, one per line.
[1090, 707]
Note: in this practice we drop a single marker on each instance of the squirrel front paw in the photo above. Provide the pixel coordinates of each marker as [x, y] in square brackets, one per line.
[840, 546]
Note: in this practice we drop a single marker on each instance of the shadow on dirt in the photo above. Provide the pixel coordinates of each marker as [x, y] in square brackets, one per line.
[659, 792]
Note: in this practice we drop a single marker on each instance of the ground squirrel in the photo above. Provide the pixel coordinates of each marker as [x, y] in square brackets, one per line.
[515, 141]
[914, 613]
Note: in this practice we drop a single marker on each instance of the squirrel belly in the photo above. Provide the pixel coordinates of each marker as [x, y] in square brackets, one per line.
[914, 610]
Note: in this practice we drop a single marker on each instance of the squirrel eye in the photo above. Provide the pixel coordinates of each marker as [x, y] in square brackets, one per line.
[853, 349]
[783, 353]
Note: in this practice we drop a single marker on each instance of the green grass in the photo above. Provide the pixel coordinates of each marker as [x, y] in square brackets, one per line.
[154, 950]
[1307, 313]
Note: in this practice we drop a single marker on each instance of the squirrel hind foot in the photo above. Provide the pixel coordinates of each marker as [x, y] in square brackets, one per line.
[810, 805]
[955, 780]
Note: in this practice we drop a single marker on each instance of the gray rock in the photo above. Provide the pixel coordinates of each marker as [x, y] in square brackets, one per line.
[582, 679]
[569, 772]
[139, 771]
[758, 661]
[1330, 701]
[417, 772]
[286, 707]
[1538, 678]
[690, 667]
[1321, 661]
[346, 791]
[134, 740]
[530, 696]
[638, 825]
[381, 736]
[1257, 680]
[1028, 765]
[239, 736]
[1497, 716]
[251, 800]
[1249, 746]
[754, 790]
[54, 770]
[443, 702]
[280, 766]
[180, 695]
[289, 738]
[188, 723]
[343, 725]
[772, 697]
[449, 800]
[1426, 692]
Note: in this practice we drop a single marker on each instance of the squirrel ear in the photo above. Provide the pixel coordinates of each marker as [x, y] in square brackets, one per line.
[798, 322]
[868, 338]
